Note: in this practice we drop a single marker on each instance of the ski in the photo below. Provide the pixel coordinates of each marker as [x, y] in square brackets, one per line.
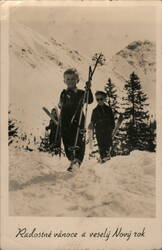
[58, 131]
[90, 139]
[50, 115]
[84, 102]
[117, 126]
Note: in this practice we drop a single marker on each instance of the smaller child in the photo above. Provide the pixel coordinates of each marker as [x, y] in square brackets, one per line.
[103, 123]
[54, 136]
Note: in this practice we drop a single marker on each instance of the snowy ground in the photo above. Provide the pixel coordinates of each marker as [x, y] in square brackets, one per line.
[40, 186]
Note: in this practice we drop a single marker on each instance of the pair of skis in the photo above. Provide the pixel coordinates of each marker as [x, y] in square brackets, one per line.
[84, 101]
[58, 130]
[50, 115]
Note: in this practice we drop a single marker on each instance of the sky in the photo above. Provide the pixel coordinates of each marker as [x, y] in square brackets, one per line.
[91, 29]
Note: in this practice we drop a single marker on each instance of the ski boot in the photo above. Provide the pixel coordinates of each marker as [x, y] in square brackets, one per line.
[74, 165]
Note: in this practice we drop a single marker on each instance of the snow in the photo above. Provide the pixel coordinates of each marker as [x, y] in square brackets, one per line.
[39, 183]
[36, 75]
[36, 68]
[41, 186]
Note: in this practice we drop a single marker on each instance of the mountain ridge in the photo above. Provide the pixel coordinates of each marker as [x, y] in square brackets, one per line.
[37, 66]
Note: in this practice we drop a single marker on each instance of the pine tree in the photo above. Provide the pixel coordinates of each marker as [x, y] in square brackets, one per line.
[136, 115]
[12, 130]
[112, 101]
[111, 92]
[151, 136]
[44, 144]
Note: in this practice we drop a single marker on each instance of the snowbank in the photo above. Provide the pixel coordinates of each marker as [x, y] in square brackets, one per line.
[40, 186]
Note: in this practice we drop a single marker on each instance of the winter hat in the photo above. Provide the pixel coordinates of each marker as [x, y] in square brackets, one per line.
[99, 92]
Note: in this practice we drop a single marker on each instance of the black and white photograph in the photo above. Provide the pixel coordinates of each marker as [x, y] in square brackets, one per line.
[82, 114]
[80, 142]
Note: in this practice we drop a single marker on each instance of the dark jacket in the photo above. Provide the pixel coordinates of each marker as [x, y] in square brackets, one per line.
[71, 104]
[102, 118]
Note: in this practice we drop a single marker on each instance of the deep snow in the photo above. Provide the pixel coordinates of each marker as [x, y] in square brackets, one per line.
[41, 186]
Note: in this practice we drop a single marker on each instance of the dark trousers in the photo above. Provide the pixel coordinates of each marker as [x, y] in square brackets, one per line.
[68, 138]
[104, 140]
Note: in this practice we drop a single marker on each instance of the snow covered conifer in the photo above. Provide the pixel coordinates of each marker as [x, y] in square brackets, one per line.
[151, 136]
[136, 114]
[112, 101]
[44, 144]
[12, 130]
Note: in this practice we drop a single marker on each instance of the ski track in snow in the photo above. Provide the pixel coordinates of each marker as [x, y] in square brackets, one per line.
[40, 186]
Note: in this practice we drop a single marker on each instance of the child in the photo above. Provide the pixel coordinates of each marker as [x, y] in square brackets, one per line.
[71, 105]
[54, 138]
[102, 120]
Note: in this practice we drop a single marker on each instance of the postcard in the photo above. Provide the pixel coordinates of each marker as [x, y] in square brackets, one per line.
[80, 125]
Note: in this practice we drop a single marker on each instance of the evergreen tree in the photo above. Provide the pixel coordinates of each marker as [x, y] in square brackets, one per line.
[136, 115]
[44, 144]
[12, 130]
[151, 136]
[112, 98]
[112, 101]
[111, 92]
[17, 137]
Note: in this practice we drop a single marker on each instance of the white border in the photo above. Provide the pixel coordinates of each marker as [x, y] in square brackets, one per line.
[9, 225]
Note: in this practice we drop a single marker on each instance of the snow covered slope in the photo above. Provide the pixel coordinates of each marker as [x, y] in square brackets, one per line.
[37, 179]
[37, 64]
[36, 73]
[139, 57]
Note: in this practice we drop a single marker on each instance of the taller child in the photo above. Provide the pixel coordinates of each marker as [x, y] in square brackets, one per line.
[70, 103]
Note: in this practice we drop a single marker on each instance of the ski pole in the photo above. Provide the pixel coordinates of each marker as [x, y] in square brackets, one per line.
[87, 98]
[97, 61]
[86, 93]
[89, 79]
